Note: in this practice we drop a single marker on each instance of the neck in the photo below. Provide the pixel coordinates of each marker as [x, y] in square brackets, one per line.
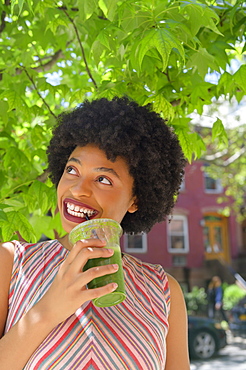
[65, 242]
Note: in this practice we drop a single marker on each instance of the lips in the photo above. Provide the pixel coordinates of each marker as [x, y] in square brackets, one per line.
[78, 212]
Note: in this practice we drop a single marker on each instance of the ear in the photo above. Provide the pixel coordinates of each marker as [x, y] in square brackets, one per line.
[133, 206]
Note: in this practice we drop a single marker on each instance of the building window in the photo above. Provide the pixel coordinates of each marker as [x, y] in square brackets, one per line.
[177, 231]
[179, 260]
[135, 243]
[212, 185]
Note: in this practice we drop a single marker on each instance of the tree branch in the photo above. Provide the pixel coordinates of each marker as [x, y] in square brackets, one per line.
[217, 159]
[35, 88]
[47, 66]
[77, 9]
[44, 176]
[3, 15]
[42, 67]
[217, 155]
[81, 48]
[65, 8]
[234, 157]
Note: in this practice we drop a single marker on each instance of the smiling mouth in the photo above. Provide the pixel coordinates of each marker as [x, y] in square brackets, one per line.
[79, 211]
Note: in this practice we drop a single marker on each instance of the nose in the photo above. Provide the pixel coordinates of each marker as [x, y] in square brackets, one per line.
[81, 188]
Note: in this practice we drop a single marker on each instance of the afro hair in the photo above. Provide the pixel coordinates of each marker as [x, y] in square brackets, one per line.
[121, 127]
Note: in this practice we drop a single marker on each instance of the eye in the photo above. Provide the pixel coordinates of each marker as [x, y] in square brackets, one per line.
[104, 180]
[70, 170]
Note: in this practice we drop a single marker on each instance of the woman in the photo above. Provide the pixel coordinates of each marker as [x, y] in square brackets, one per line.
[215, 299]
[111, 159]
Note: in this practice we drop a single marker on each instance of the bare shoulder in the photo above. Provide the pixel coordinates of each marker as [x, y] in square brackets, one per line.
[173, 282]
[6, 255]
[6, 265]
[177, 300]
[175, 290]
[177, 338]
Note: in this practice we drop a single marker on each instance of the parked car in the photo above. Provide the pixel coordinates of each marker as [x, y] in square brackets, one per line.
[206, 337]
[237, 322]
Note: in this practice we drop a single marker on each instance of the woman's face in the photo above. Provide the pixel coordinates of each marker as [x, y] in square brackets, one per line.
[94, 187]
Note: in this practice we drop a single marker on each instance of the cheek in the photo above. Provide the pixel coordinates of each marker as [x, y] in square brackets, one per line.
[59, 194]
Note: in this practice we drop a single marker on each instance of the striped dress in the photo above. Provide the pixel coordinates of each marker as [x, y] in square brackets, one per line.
[130, 335]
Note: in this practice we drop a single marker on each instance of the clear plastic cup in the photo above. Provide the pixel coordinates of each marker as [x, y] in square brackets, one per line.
[109, 231]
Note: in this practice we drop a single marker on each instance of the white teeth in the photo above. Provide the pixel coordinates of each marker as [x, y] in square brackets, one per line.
[77, 211]
[77, 214]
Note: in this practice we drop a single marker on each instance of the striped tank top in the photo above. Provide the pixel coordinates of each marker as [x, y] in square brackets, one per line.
[130, 335]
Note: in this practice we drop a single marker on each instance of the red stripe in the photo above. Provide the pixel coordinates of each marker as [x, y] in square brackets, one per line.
[57, 343]
[113, 332]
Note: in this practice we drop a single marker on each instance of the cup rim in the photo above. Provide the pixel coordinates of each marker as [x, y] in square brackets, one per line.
[96, 221]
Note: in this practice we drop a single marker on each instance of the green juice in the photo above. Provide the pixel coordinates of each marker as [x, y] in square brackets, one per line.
[110, 231]
[119, 294]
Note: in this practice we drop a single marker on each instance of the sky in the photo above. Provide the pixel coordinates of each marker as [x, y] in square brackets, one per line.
[231, 114]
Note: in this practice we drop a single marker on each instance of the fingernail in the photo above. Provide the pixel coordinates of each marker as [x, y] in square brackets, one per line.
[115, 266]
[110, 250]
[115, 286]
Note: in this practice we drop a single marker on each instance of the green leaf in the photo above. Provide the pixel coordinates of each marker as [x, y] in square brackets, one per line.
[40, 196]
[3, 215]
[16, 160]
[200, 15]
[163, 41]
[41, 225]
[55, 224]
[161, 105]
[97, 50]
[199, 146]
[202, 61]
[20, 4]
[104, 38]
[17, 223]
[240, 77]
[219, 132]
[87, 8]
[226, 83]
[109, 8]
[186, 143]
[12, 98]
[55, 23]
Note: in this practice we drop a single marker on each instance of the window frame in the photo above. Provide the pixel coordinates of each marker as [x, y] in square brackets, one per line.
[217, 190]
[185, 234]
[144, 248]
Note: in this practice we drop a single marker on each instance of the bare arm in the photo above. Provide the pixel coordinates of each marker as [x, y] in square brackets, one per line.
[66, 294]
[177, 338]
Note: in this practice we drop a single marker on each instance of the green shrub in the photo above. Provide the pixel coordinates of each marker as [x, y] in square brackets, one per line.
[232, 294]
[196, 301]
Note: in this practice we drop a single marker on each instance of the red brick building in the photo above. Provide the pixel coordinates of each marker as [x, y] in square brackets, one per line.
[199, 242]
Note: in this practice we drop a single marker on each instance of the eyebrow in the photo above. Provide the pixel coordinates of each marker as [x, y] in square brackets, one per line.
[72, 159]
[97, 169]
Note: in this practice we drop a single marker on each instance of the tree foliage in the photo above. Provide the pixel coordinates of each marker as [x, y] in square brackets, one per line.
[54, 54]
[227, 162]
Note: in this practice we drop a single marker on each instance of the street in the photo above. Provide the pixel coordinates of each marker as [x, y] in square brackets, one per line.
[232, 357]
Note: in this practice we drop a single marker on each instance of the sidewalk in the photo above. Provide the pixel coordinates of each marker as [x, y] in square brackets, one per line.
[232, 357]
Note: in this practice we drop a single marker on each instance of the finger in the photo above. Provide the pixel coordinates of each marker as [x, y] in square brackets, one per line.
[89, 253]
[90, 294]
[96, 272]
[85, 243]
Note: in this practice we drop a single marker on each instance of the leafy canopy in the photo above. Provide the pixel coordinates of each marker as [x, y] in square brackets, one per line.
[54, 54]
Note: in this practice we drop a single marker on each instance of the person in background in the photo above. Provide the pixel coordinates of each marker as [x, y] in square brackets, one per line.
[108, 159]
[215, 299]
